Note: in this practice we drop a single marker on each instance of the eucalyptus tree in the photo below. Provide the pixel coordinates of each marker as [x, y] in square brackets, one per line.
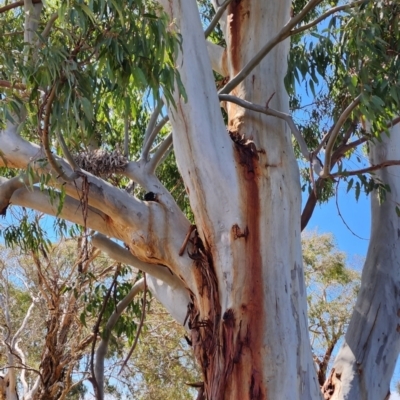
[79, 79]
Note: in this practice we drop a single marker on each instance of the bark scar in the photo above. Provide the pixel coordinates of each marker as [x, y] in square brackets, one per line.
[237, 232]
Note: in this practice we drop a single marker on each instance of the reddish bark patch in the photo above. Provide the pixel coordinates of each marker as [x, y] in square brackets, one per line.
[238, 233]
[247, 152]
[238, 10]
[249, 340]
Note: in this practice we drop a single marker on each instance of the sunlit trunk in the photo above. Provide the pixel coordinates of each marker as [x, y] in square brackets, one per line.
[248, 315]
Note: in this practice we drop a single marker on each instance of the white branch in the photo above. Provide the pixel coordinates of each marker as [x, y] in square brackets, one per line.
[118, 253]
[148, 143]
[23, 325]
[161, 153]
[335, 132]
[164, 285]
[23, 361]
[150, 129]
[106, 334]
[219, 12]
[270, 111]
[71, 210]
[18, 153]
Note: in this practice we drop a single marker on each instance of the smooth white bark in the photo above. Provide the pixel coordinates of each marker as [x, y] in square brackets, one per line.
[365, 363]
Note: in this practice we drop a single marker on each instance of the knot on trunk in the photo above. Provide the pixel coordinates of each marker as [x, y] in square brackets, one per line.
[247, 152]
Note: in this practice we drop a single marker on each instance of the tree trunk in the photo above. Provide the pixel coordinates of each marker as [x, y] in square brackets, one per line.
[248, 316]
[365, 363]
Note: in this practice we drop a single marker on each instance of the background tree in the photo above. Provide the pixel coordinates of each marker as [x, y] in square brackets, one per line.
[79, 85]
[332, 291]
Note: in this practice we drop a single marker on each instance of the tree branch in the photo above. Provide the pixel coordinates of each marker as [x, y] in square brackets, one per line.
[106, 334]
[284, 33]
[152, 136]
[49, 25]
[161, 153]
[326, 15]
[269, 111]
[370, 169]
[23, 324]
[15, 5]
[150, 128]
[9, 85]
[139, 330]
[119, 254]
[70, 211]
[218, 14]
[23, 372]
[334, 134]
[46, 143]
[9, 186]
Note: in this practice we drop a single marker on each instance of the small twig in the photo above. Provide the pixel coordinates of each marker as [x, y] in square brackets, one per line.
[216, 18]
[340, 214]
[139, 327]
[269, 100]
[372, 168]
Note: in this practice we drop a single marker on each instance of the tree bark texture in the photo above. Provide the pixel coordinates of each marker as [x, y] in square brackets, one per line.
[364, 366]
[239, 279]
[248, 315]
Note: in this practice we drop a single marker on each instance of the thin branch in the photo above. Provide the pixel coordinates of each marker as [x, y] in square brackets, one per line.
[15, 5]
[154, 133]
[283, 34]
[9, 85]
[126, 132]
[326, 15]
[119, 254]
[23, 373]
[139, 327]
[66, 151]
[367, 170]
[159, 155]
[23, 324]
[337, 155]
[105, 337]
[46, 142]
[49, 25]
[216, 18]
[270, 111]
[150, 126]
[335, 132]
[341, 216]
[96, 332]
